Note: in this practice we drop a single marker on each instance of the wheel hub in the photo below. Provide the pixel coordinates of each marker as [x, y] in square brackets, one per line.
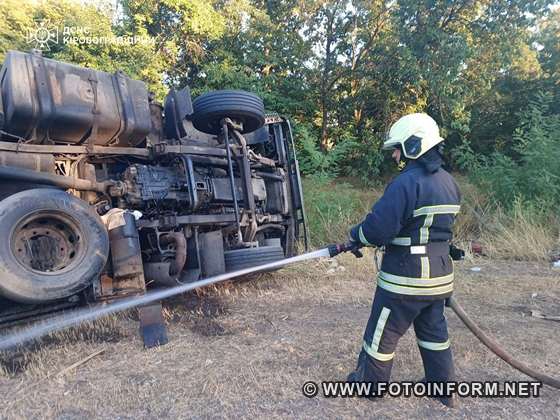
[46, 243]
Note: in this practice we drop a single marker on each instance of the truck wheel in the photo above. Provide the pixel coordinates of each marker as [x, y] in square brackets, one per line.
[250, 257]
[209, 109]
[53, 245]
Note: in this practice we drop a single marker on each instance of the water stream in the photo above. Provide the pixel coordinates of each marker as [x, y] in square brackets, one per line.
[78, 316]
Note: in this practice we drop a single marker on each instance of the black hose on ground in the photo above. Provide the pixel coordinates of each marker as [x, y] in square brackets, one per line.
[497, 349]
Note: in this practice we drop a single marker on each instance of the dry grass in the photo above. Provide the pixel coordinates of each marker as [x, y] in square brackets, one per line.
[35, 359]
[475, 212]
[519, 234]
[244, 349]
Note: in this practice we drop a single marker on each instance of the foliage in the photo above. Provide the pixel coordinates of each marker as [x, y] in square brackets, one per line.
[532, 175]
[313, 161]
[344, 70]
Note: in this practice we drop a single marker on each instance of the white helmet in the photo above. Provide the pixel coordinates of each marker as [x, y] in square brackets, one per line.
[415, 133]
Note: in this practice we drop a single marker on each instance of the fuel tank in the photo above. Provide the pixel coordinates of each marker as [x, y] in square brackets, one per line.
[48, 101]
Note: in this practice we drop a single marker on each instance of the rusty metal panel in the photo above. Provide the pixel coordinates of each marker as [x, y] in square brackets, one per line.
[152, 325]
[33, 161]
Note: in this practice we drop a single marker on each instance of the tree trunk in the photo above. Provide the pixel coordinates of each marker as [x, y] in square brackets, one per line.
[326, 86]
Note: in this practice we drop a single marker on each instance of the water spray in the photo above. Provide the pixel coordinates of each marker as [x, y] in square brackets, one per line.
[76, 317]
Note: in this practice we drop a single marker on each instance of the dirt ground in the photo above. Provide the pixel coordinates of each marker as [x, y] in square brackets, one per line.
[244, 349]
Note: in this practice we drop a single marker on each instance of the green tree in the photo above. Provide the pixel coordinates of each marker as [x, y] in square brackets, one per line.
[343, 70]
[92, 20]
[533, 176]
[16, 21]
[181, 29]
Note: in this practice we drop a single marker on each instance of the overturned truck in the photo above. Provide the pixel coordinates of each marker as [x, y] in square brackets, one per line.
[105, 191]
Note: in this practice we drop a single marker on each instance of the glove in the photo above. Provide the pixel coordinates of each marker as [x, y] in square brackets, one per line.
[354, 244]
[354, 248]
[353, 235]
[457, 254]
[350, 246]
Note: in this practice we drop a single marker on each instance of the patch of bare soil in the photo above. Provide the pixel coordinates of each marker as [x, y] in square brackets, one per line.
[244, 349]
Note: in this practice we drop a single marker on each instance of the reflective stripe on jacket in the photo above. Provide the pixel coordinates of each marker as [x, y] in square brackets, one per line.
[418, 207]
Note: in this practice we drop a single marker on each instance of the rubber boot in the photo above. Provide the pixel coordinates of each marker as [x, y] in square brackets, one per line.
[358, 375]
[365, 372]
[449, 402]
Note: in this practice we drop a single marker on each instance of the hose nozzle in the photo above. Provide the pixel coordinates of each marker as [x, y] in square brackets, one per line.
[353, 247]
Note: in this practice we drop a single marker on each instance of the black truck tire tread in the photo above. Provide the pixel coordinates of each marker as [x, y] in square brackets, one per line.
[210, 108]
[250, 257]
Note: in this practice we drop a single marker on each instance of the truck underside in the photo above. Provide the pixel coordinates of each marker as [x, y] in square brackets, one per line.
[106, 192]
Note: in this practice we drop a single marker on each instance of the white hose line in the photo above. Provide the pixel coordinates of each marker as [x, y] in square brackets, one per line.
[71, 318]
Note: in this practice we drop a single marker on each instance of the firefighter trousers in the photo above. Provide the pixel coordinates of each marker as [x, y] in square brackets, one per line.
[391, 316]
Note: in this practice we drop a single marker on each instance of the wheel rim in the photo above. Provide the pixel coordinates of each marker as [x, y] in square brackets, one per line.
[47, 243]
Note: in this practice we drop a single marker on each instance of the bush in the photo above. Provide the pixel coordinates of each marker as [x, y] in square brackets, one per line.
[313, 161]
[532, 174]
[364, 161]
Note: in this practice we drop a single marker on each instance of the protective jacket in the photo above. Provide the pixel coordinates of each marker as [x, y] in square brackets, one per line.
[413, 220]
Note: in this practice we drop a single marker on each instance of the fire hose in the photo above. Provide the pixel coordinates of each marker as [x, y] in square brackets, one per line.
[491, 343]
[72, 318]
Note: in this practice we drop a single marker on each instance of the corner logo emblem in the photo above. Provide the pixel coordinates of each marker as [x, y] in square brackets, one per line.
[42, 35]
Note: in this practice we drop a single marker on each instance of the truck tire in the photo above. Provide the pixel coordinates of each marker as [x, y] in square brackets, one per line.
[53, 245]
[245, 107]
[250, 257]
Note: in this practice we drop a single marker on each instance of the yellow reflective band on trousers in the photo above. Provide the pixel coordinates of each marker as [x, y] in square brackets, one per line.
[401, 241]
[441, 209]
[362, 237]
[372, 349]
[430, 345]
[376, 355]
[415, 286]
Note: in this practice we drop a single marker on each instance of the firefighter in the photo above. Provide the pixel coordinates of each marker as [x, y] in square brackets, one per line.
[413, 222]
